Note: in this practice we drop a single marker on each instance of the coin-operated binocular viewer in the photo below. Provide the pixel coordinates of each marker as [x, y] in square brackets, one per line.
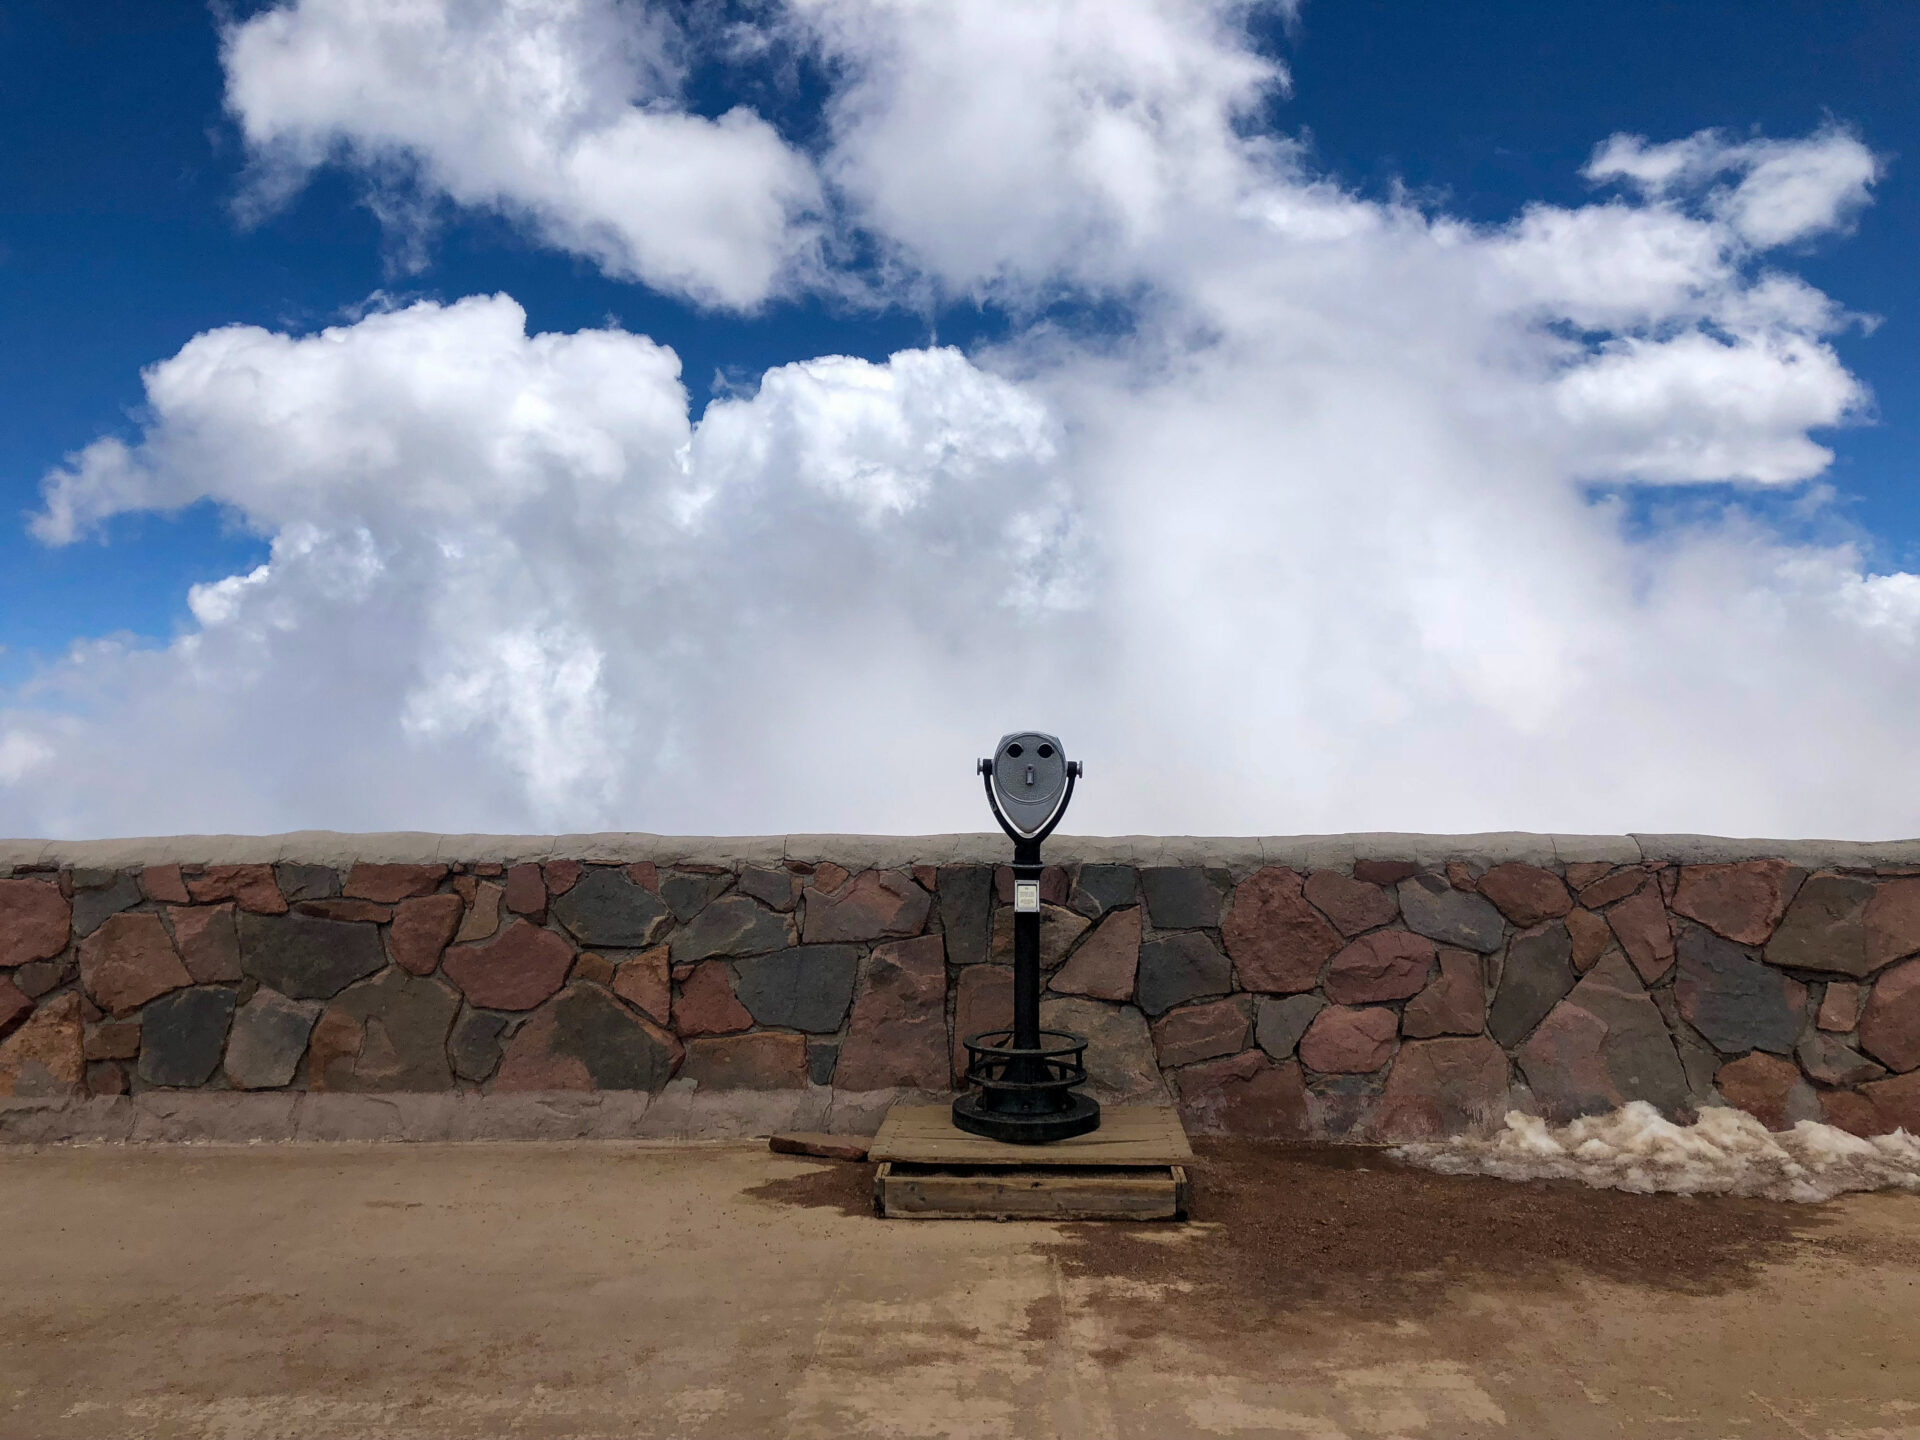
[1020, 1082]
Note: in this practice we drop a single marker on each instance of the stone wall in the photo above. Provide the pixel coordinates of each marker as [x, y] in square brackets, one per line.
[1350, 987]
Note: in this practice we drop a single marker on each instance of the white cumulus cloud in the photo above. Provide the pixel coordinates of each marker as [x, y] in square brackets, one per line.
[1780, 191]
[569, 114]
[1307, 541]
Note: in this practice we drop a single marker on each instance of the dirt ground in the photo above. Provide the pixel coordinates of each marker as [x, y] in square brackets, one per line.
[633, 1290]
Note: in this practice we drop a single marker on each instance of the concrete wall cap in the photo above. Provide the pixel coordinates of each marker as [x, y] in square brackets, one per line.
[1239, 855]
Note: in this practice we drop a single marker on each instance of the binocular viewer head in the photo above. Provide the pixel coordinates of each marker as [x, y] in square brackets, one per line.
[1029, 781]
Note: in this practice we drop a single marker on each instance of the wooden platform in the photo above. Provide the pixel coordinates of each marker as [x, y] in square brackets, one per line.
[1132, 1168]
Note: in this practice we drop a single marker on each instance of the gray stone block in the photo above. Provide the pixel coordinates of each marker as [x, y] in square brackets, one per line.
[386, 1034]
[1736, 1002]
[807, 987]
[777, 889]
[298, 881]
[966, 911]
[182, 1035]
[1178, 968]
[606, 908]
[822, 1056]
[617, 1049]
[474, 1047]
[1122, 1068]
[107, 892]
[305, 957]
[1100, 888]
[1537, 974]
[268, 1038]
[1638, 1053]
[732, 925]
[1831, 1061]
[1699, 1060]
[1185, 897]
[688, 895]
[1280, 1021]
[1435, 909]
[1824, 928]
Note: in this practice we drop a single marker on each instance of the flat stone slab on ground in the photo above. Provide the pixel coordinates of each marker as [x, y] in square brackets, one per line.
[819, 1143]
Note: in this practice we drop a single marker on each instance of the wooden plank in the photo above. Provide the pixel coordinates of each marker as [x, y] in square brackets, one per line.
[1001, 1193]
[1144, 1136]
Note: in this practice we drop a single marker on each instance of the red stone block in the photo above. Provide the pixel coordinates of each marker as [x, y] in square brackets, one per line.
[1840, 1006]
[643, 983]
[1454, 1003]
[1850, 1111]
[1762, 1085]
[898, 1033]
[769, 1060]
[1890, 1024]
[207, 941]
[388, 884]
[1107, 961]
[561, 875]
[35, 921]
[515, 971]
[113, 1040]
[1245, 1094]
[251, 887]
[1442, 1087]
[1893, 922]
[130, 960]
[1277, 941]
[1526, 894]
[1353, 906]
[1591, 935]
[42, 1059]
[1617, 886]
[1342, 1041]
[1202, 1032]
[422, 929]
[15, 1005]
[1386, 965]
[706, 1004]
[1582, 873]
[1896, 1103]
[1742, 901]
[982, 1000]
[879, 904]
[1645, 934]
[165, 883]
[594, 968]
[526, 892]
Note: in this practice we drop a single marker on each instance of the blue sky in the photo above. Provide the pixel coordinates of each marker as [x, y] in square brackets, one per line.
[121, 243]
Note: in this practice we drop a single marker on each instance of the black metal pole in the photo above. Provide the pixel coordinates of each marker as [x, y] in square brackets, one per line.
[1026, 952]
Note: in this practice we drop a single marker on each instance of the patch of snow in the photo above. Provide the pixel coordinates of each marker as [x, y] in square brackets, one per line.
[1724, 1152]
